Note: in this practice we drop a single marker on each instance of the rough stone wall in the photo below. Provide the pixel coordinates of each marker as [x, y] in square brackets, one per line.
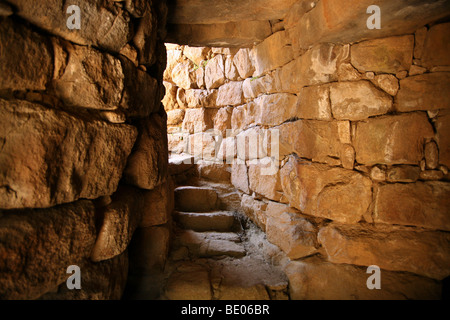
[362, 133]
[83, 147]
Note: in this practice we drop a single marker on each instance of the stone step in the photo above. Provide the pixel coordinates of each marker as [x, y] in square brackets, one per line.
[206, 221]
[245, 278]
[195, 199]
[210, 244]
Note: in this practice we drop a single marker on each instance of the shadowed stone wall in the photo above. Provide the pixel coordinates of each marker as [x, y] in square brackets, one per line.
[83, 147]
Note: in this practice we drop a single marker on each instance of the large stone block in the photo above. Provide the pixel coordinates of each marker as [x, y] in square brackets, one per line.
[312, 279]
[243, 63]
[422, 204]
[295, 235]
[32, 73]
[215, 72]
[230, 94]
[423, 253]
[387, 55]
[37, 246]
[312, 139]
[358, 100]
[333, 193]
[239, 177]
[50, 157]
[253, 87]
[318, 65]
[147, 165]
[205, 12]
[120, 219]
[196, 98]
[195, 199]
[142, 93]
[183, 75]
[196, 54]
[437, 46]
[222, 120]
[255, 210]
[250, 144]
[244, 117]
[264, 179]
[158, 205]
[424, 92]
[314, 103]
[394, 139]
[103, 25]
[232, 34]
[198, 120]
[333, 21]
[204, 145]
[274, 109]
[89, 78]
[272, 53]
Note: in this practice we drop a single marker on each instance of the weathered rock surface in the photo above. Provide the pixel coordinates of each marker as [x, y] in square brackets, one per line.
[198, 120]
[264, 179]
[120, 220]
[333, 193]
[147, 165]
[158, 205]
[436, 46]
[332, 21]
[37, 246]
[386, 55]
[195, 199]
[424, 92]
[215, 72]
[105, 26]
[197, 98]
[396, 139]
[295, 235]
[357, 100]
[272, 53]
[62, 168]
[423, 204]
[239, 177]
[91, 79]
[313, 279]
[312, 139]
[243, 63]
[423, 253]
[234, 33]
[318, 65]
[203, 12]
[314, 103]
[230, 94]
[32, 73]
[255, 210]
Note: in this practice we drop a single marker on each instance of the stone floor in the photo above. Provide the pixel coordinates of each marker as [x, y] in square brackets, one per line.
[216, 254]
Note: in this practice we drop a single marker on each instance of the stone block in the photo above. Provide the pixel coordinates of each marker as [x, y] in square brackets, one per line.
[333, 193]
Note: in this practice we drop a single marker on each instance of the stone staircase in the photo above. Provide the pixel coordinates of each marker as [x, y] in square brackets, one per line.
[211, 257]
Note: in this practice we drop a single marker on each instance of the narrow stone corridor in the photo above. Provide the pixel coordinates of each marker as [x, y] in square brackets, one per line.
[217, 254]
